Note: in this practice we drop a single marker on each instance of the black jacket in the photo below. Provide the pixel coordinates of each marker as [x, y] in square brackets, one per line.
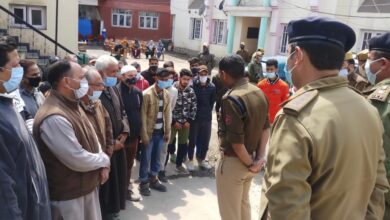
[23, 183]
[205, 97]
[132, 101]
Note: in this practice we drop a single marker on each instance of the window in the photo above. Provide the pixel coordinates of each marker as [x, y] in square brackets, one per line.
[121, 18]
[148, 20]
[366, 36]
[34, 15]
[283, 40]
[196, 29]
[220, 32]
[253, 33]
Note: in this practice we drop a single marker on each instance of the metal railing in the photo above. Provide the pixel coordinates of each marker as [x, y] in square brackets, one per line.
[25, 25]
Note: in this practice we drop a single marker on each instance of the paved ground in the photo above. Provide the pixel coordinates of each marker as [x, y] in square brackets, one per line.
[189, 197]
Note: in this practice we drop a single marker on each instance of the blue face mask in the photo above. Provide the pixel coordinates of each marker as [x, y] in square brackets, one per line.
[343, 73]
[95, 96]
[13, 83]
[371, 77]
[288, 73]
[110, 81]
[170, 82]
[163, 84]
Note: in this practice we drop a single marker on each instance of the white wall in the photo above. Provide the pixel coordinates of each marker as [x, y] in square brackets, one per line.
[67, 24]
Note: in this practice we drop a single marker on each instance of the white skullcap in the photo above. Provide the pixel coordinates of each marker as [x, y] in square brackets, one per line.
[128, 68]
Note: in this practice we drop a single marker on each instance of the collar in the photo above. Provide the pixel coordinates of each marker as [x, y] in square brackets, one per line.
[90, 107]
[71, 103]
[323, 83]
[240, 82]
[274, 81]
[25, 91]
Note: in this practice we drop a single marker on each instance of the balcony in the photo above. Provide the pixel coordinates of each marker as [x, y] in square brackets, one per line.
[248, 8]
[88, 2]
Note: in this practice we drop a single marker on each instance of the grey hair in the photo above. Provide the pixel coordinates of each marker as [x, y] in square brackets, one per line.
[91, 73]
[104, 61]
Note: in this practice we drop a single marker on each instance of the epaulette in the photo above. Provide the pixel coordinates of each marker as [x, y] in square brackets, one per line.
[380, 94]
[295, 105]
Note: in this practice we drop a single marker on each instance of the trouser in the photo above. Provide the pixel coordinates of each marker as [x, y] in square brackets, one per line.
[85, 207]
[200, 133]
[233, 184]
[150, 157]
[182, 141]
[387, 206]
[131, 151]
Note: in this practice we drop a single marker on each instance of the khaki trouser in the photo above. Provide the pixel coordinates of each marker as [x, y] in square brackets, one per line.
[233, 183]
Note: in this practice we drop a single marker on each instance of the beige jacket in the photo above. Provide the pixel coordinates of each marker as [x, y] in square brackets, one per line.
[149, 112]
[323, 163]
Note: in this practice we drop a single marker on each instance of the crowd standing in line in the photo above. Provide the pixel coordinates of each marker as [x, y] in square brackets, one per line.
[68, 144]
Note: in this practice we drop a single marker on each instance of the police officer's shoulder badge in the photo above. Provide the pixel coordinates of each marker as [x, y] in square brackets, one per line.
[380, 94]
[296, 104]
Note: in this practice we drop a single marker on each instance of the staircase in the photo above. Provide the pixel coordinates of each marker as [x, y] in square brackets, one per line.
[32, 43]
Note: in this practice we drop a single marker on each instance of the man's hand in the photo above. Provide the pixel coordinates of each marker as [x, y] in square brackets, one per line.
[104, 174]
[145, 143]
[186, 125]
[122, 138]
[178, 126]
[166, 138]
[257, 165]
[118, 145]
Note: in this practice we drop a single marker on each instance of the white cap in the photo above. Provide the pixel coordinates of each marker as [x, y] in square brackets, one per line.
[128, 68]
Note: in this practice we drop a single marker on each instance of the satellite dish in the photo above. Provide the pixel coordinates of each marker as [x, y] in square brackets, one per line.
[202, 9]
[221, 5]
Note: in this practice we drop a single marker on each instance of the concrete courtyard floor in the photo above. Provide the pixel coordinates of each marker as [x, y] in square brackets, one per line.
[189, 197]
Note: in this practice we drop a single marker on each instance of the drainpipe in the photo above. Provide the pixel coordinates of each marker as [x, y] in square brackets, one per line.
[210, 9]
[263, 26]
[231, 29]
[56, 30]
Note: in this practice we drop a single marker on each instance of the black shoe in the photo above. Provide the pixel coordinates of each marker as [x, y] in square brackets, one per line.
[162, 177]
[156, 185]
[132, 197]
[144, 189]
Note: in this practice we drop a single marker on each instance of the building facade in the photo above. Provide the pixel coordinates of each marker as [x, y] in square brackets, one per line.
[144, 20]
[262, 23]
[41, 14]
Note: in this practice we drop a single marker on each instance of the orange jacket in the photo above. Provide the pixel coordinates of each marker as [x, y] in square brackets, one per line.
[276, 92]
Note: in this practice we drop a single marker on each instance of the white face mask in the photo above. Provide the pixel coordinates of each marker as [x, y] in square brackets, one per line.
[203, 79]
[343, 73]
[83, 90]
[371, 77]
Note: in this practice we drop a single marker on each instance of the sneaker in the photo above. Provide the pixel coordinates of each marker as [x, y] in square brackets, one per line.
[144, 189]
[181, 170]
[162, 177]
[173, 158]
[190, 165]
[205, 165]
[132, 197]
[156, 185]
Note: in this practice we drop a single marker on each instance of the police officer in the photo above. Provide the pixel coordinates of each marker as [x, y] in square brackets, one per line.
[355, 81]
[243, 134]
[378, 72]
[362, 59]
[206, 58]
[323, 163]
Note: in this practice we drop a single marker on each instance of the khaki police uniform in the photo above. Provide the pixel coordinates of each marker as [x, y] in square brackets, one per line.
[326, 160]
[244, 116]
[380, 99]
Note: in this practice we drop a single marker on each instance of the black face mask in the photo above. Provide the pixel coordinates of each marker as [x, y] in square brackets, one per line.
[131, 81]
[34, 82]
[153, 68]
[195, 71]
[242, 47]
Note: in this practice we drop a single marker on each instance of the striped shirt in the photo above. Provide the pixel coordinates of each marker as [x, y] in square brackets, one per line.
[158, 127]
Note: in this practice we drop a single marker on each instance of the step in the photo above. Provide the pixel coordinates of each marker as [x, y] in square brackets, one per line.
[32, 55]
[23, 48]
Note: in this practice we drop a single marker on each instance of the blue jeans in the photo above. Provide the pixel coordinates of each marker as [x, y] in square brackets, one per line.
[150, 155]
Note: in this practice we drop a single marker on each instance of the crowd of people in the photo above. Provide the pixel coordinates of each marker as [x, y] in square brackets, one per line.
[69, 135]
